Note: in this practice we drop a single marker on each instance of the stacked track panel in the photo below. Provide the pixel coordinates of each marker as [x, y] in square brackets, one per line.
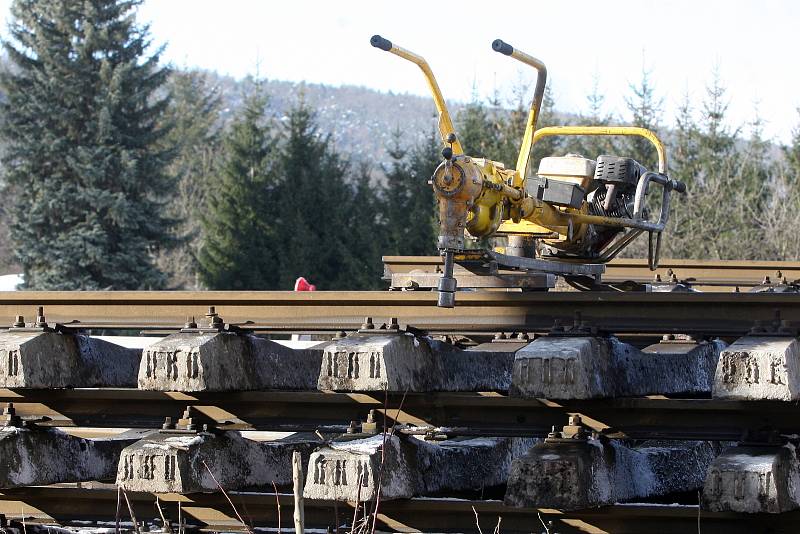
[523, 410]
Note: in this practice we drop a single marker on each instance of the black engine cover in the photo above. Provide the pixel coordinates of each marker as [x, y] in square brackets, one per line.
[623, 172]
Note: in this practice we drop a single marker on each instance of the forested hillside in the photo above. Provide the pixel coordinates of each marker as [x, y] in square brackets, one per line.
[142, 176]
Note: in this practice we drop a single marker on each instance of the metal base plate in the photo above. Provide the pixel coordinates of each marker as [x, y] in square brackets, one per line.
[487, 269]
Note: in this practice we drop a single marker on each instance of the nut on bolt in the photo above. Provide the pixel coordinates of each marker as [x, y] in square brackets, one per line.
[369, 426]
[41, 321]
[214, 320]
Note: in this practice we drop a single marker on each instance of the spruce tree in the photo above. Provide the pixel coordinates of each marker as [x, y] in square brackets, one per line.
[408, 203]
[512, 129]
[316, 200]
[477, 130]
[82, 112]
[366, 233]
[241, 240]
[645, 109]
[593, 146]
[792, 152]
[195, 138]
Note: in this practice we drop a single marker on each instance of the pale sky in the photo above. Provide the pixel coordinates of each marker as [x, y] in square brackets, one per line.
[753, 44]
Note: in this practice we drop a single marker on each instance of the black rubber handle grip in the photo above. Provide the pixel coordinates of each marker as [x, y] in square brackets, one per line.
[498, 45]
[678, 186]
[379, 42]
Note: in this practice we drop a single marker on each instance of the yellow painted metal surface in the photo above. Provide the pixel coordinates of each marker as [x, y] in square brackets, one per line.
[605, 131]
[445, 123]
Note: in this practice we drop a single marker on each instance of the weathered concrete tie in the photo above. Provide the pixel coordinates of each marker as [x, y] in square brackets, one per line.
[38, 456]
[754, 478]
[219, 358]
[587, 367]
[397, 361]
[405, 467]
[571, 471]
[168, 461]
[759, 368]
[39, 357]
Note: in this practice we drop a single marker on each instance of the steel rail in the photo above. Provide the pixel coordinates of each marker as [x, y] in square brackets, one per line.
[486, 414]
[723, 314]
[705, 273]
[66, 504]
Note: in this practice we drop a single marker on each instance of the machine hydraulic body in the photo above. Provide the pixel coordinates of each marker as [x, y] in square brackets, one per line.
[578, 213]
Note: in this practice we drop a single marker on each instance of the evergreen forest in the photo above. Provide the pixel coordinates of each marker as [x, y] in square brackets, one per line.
[121, 172]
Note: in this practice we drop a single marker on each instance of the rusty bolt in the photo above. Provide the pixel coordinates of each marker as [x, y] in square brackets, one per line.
[668, 337]
[353, 428]
[9, 409]
[41, 321]
[368, 324]
[394, 324]
[766, 280]
[19, 322]
[190, 323]
[213, 317]
[522, 336]
[168, 424]
[657, 278]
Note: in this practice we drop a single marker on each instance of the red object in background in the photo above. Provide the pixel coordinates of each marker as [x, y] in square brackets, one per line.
[301, 284]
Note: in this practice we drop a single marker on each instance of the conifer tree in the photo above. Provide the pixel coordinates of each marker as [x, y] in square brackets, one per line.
[477, 130]
[590, 146]
[645, 109]
[792, 152]
[408, 203]
[513, 129]
[195, 138]
[83, 155]
[365, 233]
[316, 199]
[241, 237]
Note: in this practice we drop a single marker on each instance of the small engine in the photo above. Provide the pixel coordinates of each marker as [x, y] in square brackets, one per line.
[608, 186]
[582, 211]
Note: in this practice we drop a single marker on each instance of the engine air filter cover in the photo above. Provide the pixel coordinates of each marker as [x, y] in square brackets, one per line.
[618, 170]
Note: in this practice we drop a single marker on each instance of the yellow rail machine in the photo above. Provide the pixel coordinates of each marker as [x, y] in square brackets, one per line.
[578, 212]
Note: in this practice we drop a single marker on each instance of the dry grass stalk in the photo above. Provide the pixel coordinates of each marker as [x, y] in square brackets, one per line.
[161, 513]
[278, 504]
[130, 511]
[383, 450]
[297, 481]
[225, 493]
[477, 521]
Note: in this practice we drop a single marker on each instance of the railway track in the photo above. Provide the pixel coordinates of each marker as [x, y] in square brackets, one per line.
[707, 314]
[638, 317]
[71, 505]
[705, 275]
[459, 414]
